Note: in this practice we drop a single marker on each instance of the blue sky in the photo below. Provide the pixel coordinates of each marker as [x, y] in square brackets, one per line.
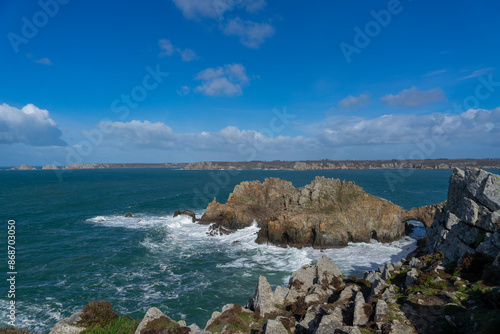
[195, 80]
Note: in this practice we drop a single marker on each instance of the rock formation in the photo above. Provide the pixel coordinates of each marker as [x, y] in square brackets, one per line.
[50, 167]
[326, 213]
[469, 223]
[23, 167]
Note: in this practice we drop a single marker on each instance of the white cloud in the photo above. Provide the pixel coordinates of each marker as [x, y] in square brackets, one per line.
[251, 34]
[224, 80]
[29, 125]
[196, 9]
[478, 73]
[353, 102]
[142, 134]
[166, 47]
[414, 98]
[389, 136]
[188, 55]
[230, 140]
[43, 61]
[474, 126]
[184, 90]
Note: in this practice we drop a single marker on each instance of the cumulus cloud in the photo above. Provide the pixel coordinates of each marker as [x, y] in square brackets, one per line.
[414, 98]
[251, 34]
[382, 137]
[478, 73]
[29, 125]
[196, 9]
[353, 102]
[230, 140]
[474, 125]
[226, 80]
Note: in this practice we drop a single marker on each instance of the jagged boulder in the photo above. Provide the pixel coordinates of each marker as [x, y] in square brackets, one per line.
[263, 300]
[323, 214]
[68, 325]
[469, 222]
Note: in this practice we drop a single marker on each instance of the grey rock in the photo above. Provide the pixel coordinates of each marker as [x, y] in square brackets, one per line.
[415, 263]
[399, 328]
[386, 274]
[274, 327]
[397, 264]
[337, 314]
[377, 286]
[451, 220]
[346, 294]
[411, 277]
[310, 321]
[196, 330]
[303, 278]
[68, 325]
[227, 307]
[353, 330]
[360, 317]
[329, 324]
[311, 298]
[152, 314]
[380, 310]
[372, 276]
[388, 293]
[484, 186]
[280, 294]
[326, 270]
[292, 296]
[263, 298]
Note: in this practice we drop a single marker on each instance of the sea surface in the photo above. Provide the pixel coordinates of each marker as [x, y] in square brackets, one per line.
[74, 245]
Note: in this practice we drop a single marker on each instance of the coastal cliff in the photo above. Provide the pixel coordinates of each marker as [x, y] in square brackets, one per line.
[326, 213]
[348, 164]
[469, 222]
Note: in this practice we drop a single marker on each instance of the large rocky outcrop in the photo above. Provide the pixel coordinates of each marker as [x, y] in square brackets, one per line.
[323, 214]
[469, 223]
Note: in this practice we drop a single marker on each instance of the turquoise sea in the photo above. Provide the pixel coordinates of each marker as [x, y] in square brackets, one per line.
[74, 245]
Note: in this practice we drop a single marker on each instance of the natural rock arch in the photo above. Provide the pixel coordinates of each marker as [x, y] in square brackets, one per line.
[424, 214]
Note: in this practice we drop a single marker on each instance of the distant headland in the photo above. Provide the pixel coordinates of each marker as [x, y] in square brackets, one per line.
[324, 164]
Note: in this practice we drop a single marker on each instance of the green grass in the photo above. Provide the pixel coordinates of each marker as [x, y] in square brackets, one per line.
[122, 325]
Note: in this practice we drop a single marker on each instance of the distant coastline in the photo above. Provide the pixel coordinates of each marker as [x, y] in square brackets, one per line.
[295, 165]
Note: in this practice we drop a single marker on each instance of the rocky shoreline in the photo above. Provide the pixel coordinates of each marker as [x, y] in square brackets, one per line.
[295, 165]
[450, 284]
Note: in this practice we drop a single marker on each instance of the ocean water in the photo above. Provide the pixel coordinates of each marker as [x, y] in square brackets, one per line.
[74, 245]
